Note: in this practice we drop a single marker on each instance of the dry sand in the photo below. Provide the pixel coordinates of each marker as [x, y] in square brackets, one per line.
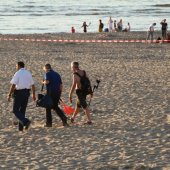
[130, 109]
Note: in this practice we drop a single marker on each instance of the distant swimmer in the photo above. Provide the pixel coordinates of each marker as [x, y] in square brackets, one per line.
[85, 26]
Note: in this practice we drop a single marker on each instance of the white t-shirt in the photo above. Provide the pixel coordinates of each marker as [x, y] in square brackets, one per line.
[151, 28]
[128, 27]
[110, 24]
[22, 79]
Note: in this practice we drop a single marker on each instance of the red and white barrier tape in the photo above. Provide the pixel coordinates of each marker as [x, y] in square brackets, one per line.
[85, 41]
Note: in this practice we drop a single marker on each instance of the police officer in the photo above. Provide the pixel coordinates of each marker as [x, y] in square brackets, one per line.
[22, 83]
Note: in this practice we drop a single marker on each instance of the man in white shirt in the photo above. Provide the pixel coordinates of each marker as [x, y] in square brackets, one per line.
[110, 24]
[151, 31]
[22, 82]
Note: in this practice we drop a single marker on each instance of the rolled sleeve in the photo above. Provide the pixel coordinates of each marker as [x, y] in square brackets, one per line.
[15, 79]
[32, 81]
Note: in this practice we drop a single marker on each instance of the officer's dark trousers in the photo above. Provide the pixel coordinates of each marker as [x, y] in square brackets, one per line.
[19, 106]
[56, 108]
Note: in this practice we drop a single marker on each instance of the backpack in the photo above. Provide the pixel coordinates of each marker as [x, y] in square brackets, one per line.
[85, 84]
[102, 25]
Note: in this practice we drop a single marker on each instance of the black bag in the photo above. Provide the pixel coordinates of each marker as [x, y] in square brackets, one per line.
[85, 84]
[44, 100]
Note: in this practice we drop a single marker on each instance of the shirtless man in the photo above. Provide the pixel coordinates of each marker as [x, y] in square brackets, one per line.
[81, 101]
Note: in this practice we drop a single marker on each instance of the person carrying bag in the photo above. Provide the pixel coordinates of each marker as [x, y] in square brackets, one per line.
[51, 99]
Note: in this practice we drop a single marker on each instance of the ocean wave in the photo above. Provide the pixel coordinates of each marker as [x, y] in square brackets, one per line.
[162, 5]
[27, 10]
[151, 11]
[35, 6]
[94, 13]
[22, 11]
[40, 14]
[93, 9]
[28, 14]
[35, 28]
[27, 6]
[144, 10]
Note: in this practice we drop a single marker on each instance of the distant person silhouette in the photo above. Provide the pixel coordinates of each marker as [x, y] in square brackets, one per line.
[115, 26]
[120, 25]
[151, 31]
[128, 28]
[73, 30]
[164, 28]
[110, 24]
[101, 26]
[85, 26]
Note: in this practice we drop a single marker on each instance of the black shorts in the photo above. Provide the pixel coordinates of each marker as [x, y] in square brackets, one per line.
[81, 102]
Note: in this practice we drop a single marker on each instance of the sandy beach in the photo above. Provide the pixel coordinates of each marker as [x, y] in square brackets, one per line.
[130, 109]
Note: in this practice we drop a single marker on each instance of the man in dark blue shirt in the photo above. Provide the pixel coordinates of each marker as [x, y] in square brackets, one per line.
[53, 84]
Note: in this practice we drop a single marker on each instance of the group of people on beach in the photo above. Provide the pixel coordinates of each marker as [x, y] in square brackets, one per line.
[22, 84]
[151, 29]
[113, 26]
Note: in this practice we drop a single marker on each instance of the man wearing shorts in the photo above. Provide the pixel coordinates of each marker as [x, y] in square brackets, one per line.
[81, 95]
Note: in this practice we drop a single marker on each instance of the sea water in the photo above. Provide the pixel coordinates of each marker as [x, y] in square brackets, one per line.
[55, 16]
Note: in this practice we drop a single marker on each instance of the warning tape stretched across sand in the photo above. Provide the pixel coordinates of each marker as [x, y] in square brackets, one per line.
[85, 41]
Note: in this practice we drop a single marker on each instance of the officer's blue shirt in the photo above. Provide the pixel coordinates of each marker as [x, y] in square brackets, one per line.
[54, 82]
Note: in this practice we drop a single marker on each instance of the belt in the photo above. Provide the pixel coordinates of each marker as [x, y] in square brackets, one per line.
[23, 90]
